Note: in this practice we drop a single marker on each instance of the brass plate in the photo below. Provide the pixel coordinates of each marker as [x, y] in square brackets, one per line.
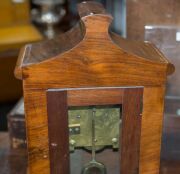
[107, 126]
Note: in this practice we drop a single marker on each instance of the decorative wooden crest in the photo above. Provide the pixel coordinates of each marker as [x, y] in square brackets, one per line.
[91, 55]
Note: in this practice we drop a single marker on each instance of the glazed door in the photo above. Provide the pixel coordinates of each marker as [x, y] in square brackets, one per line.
[94, 130]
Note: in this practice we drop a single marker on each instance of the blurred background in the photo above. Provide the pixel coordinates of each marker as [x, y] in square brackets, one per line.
[27, 21]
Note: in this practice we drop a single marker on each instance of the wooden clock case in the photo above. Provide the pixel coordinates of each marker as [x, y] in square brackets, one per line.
[90, 65]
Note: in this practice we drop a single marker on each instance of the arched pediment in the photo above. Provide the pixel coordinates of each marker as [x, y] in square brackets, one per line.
[91, 55]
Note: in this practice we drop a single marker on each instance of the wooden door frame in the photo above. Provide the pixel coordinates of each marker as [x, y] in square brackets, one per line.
[58, 101]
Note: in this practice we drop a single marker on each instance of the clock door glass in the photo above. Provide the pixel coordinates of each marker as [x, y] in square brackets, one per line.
[94, 142]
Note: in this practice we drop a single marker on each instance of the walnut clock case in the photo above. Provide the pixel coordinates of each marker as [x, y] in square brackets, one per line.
[91, 66]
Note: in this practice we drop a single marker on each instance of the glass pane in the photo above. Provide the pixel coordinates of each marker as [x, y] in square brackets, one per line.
[101, 124]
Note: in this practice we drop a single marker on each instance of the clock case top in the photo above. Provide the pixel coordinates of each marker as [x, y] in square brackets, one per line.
[90, 55]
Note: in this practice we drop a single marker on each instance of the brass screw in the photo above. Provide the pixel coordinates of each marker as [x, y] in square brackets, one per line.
[114, 140]
[76, 129]
[78, 116]
[72, 142]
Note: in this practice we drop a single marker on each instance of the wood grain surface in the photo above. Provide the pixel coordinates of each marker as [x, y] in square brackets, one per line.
[37, 131]
[83, 56]
[151, 130]
[94, 96]
[36, 116]
[58, 132]
[131, 130]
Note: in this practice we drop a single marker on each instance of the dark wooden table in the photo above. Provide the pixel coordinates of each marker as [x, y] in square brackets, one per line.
[15, 161]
